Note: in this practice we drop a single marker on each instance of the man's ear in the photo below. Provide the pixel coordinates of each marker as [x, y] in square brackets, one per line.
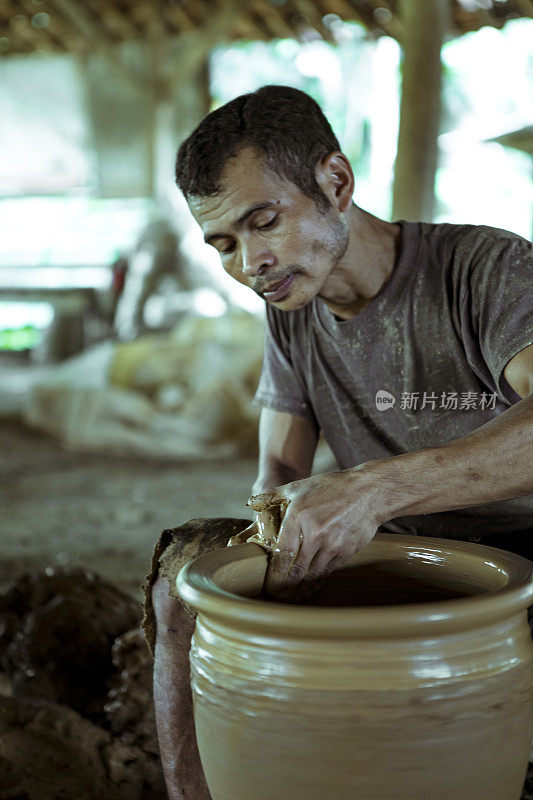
[335, 177]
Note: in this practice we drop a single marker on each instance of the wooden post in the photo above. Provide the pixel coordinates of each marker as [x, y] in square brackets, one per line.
[424, 23]
[175, 117]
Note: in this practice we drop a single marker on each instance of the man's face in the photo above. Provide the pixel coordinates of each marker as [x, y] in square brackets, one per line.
[271, 237]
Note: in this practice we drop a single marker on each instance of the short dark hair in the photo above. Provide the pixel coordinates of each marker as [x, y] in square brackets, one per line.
[285, 124]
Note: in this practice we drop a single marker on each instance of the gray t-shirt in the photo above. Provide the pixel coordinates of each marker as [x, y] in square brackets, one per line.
[421, 365]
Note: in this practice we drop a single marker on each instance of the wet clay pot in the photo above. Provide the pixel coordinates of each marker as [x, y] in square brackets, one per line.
[409, 676]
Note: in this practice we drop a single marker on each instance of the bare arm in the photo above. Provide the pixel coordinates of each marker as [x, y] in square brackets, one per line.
[494, 462]
[287, 445]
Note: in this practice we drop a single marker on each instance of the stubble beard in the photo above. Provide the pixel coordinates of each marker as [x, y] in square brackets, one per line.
[331, 249]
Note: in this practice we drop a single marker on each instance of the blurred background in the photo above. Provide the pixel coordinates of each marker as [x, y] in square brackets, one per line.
[128, 360]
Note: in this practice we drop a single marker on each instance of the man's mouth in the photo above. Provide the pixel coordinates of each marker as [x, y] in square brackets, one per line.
[277, 291]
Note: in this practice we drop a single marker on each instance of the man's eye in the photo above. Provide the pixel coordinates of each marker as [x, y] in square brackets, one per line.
[268, 225]
[229, 249]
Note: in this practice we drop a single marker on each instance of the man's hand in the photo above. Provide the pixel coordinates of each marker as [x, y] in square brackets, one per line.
[264, 530]
[325, 519]
[243, 536]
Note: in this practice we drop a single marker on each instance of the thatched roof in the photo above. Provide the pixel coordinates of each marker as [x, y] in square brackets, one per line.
[82, 26]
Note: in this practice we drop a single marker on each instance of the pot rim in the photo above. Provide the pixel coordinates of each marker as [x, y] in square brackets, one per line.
[198, 583]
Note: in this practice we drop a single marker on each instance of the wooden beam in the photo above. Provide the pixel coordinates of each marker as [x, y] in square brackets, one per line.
[195, 47]
[142, 13]
[274, 18]
[113, 19]
[76, 13]
[258, 27]
[309, 11]
[157, 42]
[245, 28]
[347, 12]
[199, 11]
[58, 34]
[425, 24]
[19, 27]
[177, 17]
[392, 26]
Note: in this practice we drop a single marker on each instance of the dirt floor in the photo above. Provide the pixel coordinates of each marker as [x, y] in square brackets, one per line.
[65, 679]
[102, 513]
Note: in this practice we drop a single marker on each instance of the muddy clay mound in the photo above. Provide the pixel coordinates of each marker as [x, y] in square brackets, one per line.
[49, 752]
[79, 720]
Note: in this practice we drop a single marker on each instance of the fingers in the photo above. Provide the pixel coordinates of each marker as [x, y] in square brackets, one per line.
[297, 576]
[288, 551]
[320, 568]
[293, 553]
[263, 531]
[243, 536]
[279, 566]
[305, 571]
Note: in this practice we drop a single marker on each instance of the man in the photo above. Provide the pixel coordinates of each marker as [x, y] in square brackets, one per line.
[409, 346]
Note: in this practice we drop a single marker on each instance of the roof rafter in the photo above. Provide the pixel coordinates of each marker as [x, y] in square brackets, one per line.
[194, 47]
[76, 13]
[85, 26]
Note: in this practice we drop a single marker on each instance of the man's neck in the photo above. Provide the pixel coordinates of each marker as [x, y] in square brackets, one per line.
[365, 268]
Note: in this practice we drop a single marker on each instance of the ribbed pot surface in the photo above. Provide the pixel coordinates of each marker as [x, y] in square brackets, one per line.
[409, 676]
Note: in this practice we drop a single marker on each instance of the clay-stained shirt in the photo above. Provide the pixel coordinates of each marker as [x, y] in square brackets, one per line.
[420, 365]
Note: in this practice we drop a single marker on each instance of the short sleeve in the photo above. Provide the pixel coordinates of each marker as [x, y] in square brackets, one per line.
[279, 388]
[497, 305]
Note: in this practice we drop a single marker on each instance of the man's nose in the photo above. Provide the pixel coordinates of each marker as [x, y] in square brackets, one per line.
[256, 262]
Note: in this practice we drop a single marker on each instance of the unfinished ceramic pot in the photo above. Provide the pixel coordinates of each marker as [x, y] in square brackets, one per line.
[409, 676]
